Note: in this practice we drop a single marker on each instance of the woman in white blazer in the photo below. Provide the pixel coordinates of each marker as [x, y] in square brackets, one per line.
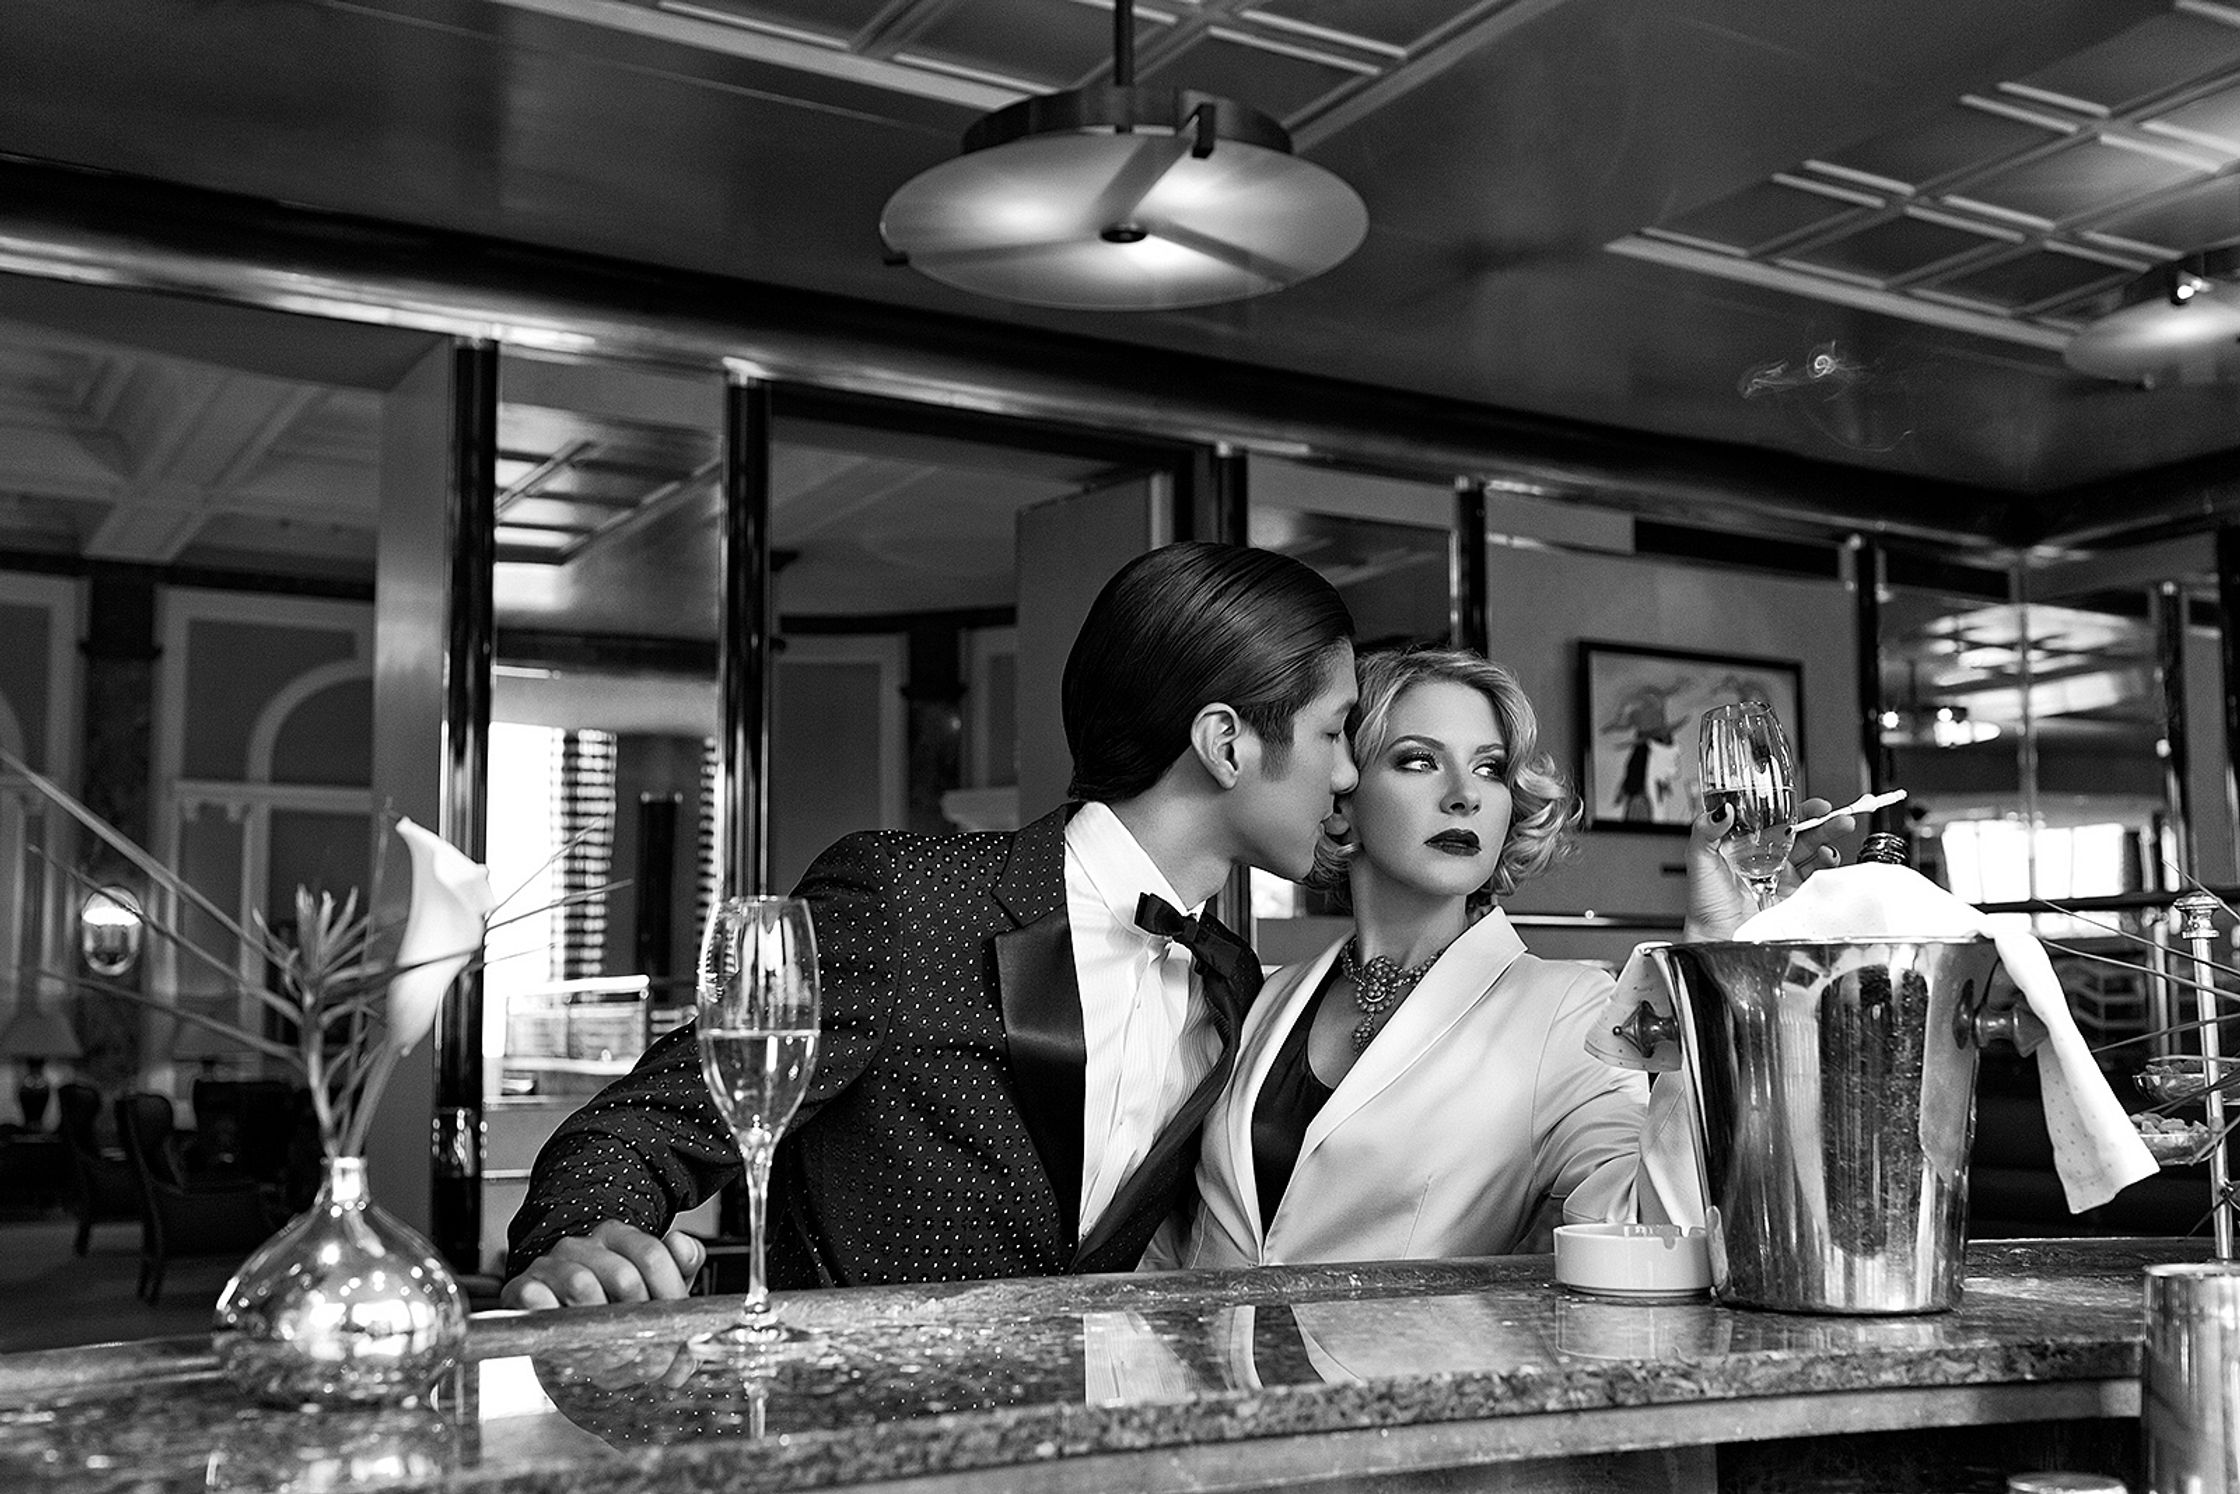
[1423, 1087]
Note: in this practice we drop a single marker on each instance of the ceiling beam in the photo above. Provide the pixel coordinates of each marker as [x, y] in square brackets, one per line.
[2139, 567]
[653, 509]
[1493, 20]
[715, 30]
[107, 229]
[1844, 293]
[895, 27]
[2189, 497]
[210, 433]
[844, 493]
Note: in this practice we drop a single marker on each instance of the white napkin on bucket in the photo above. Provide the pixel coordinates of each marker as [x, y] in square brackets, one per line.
[2096, 1151]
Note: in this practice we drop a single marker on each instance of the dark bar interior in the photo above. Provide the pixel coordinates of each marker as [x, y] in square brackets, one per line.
[647, 443]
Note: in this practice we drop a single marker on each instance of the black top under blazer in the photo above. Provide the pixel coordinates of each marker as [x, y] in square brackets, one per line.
[941, 1136]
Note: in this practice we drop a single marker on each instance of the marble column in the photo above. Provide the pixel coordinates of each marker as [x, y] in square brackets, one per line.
[120, 661]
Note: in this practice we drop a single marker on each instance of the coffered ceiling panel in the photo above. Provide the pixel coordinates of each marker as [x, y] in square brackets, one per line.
[2034, 278]
[1780, 211]
[2026, 205]
[2212, 121]
[1281, 77]
[830, 20]
[1397, 23]
[2084, 176]
[1049, 46]
[1606, 212]
[2175, 223]
[2140, 64]
[1901, 248]
[1943, 144]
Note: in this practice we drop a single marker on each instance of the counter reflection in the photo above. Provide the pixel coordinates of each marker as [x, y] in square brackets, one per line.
[656, 1390]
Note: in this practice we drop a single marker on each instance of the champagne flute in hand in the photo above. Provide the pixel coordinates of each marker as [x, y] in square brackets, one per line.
[758, 1044]
[1747, 775]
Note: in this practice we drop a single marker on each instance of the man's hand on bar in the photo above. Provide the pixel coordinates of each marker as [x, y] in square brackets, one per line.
[615, 1262]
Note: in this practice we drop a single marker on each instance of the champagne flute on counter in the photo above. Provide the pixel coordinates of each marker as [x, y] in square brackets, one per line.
[758, 1047]
[1748, 775]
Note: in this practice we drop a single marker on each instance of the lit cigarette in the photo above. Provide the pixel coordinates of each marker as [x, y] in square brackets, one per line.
[1864, 804]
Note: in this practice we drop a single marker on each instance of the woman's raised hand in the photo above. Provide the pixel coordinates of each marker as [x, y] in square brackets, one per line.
[1719, 901]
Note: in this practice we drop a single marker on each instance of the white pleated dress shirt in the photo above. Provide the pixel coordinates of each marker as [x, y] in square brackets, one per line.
[1143, 1019]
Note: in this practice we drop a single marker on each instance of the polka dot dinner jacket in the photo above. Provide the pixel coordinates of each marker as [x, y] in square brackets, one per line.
[940, 1139]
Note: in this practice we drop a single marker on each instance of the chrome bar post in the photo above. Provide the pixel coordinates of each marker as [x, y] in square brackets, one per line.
[2163, 1004]
[1467, 582]
[2197, 912]
[456, 1138]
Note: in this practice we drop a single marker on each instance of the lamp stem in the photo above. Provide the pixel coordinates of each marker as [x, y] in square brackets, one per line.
[1124, 43]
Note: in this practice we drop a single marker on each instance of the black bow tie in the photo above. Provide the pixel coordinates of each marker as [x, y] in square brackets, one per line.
[1155, 915]
[1220, 956]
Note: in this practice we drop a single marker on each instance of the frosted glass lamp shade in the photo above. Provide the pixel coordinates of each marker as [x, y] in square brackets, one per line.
[1124, 199]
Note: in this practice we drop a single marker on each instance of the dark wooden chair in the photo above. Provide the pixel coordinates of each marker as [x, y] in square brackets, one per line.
[103, 1189]
[33, 1170]
[243, 1126]
[178, 1216]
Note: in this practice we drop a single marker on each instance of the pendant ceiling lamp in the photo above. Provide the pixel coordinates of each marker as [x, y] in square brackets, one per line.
[2177, 324]
[1124, 198]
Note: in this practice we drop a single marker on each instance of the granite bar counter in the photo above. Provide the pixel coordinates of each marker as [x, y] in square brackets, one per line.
[1448, 1375]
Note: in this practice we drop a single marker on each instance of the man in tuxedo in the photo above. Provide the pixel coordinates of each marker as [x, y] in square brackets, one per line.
[1022, 1031]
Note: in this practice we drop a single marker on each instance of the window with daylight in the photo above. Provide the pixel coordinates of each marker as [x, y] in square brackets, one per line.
[551, 841]
[1990, 861]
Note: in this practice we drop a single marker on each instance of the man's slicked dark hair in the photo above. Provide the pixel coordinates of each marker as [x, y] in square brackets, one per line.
[1179, 628]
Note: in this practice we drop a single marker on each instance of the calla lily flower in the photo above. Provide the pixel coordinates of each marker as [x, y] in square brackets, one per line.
[329, 963]
[443, 929]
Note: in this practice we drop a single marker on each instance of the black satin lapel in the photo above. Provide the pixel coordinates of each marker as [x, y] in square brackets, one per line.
[1134, 1215]
[1032, 884]
[1048, 1054]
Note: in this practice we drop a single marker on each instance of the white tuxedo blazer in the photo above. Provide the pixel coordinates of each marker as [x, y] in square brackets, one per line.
[1475, 1104]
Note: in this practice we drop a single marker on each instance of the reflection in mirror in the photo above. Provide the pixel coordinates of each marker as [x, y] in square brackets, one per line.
[36, 616]
[931, 562]
[2147, 630]
[1383, 544]
[898, 679]
[894, 697]
[935, 567]
[603, 706]
[2028, 737]
[109, 928]
[2030, 715]
[188, 543]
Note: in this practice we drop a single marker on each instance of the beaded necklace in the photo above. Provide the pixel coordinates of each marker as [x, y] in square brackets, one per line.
[1377, 988]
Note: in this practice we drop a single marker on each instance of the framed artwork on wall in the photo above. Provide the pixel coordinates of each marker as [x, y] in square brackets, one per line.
[1640, 712]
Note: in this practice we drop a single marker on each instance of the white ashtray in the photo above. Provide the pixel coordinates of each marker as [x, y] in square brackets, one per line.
[1638, 1262]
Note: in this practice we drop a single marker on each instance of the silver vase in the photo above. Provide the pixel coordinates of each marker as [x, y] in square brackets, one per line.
[344, 1307]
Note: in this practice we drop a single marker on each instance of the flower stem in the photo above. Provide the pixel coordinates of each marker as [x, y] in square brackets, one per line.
[367, 1099]
[315, 1074]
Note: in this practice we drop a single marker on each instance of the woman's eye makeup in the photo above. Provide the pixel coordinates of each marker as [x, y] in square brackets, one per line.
[1415, 758]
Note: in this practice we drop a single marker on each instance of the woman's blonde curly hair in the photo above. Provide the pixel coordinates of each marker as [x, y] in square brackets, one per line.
[1544, 810]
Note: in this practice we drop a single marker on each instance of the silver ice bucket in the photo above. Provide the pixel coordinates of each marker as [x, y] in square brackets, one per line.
[1833, 1089]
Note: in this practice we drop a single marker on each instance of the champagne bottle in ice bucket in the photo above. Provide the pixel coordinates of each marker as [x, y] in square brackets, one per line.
[1885, 847]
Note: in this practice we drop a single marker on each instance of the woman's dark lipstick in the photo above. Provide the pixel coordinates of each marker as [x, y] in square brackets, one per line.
[1455, 842]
